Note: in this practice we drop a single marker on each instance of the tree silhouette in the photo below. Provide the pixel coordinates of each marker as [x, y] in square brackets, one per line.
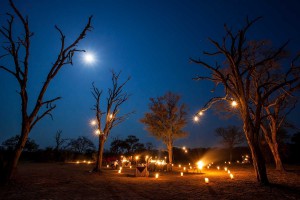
[81, 145]
[59, 141]
[118, 146]
[231, 136]
[18, 48]
[166, 120]
[250, 75]
[128, 146]
[116, 97]
[11, 144]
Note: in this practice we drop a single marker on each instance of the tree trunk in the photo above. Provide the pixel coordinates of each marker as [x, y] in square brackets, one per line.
[257, 156]
[99, 154]
[273, 145]
[276, 156]
[170, 154]
[8, 170]
[259, 164]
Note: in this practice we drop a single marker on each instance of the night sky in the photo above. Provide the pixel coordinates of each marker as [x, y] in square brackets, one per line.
[151, 41]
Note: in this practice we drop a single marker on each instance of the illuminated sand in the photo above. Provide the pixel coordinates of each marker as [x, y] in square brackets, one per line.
[73, 181]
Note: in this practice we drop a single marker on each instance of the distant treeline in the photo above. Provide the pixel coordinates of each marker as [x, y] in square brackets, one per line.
[83, 149]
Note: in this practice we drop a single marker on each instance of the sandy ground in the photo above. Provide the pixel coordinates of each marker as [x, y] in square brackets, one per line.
[74, 181]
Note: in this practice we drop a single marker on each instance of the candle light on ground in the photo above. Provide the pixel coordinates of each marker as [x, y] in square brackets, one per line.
[119, 171]
[225, 168]
[218, 167]
[181, 173]
[231, 176]
[107, 166]
[156, 175]
[206, 180]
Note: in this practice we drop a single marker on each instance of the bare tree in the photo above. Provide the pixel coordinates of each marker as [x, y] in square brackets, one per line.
[231, 136]
[281, 102]
[18, 48]
[116, 97]
[238, 75]
[59, 141]
[276, 109]
[166, 120]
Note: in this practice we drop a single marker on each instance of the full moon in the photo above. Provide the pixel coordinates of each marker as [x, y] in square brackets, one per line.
[89, 58]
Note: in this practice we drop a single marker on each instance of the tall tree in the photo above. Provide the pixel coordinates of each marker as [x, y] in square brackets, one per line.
[18, 48]
[238, 74]
[231, 136]
[116, 97]
[276, 110]
[166, 120]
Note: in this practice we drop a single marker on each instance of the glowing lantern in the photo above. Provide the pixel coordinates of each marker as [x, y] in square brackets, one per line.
[228, 171]
[119, 171]
[206, 180]
[84, 161]
[156, 175]
[218, 168]
[233, 103]
[97, 132]
[179, 166]
[130, 167]
[184, 168]
[225, 168]
[196, 118]
[107, 166]
[89, 162]
[93, 122]
[181, 173]
[231, 176]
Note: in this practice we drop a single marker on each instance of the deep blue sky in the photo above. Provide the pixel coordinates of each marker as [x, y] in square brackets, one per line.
[151, 41]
